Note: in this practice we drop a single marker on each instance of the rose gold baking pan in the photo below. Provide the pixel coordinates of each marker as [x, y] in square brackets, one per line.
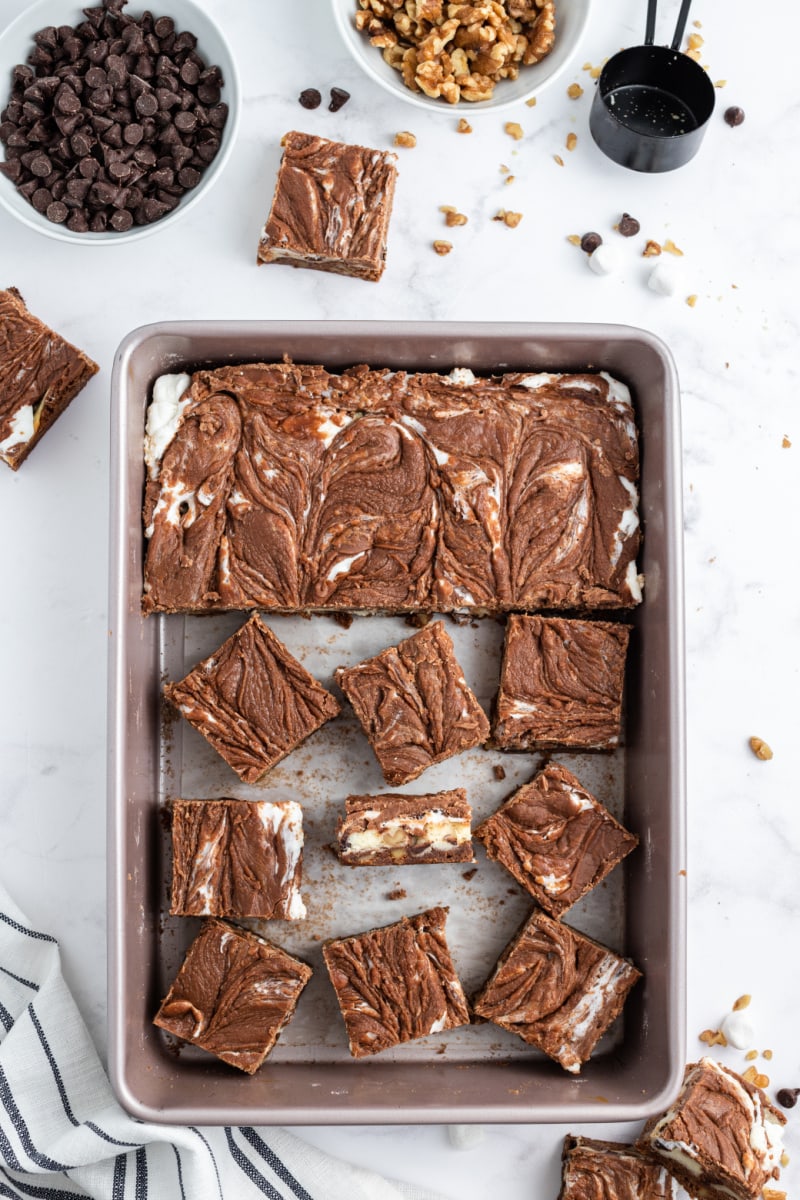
[479, 1073]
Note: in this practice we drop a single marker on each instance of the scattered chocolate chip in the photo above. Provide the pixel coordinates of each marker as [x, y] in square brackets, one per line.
[498, 771]
[787, 1097]
[734, 116]
[339, 97]
[628, 226]
[310, 98]
[590, 242]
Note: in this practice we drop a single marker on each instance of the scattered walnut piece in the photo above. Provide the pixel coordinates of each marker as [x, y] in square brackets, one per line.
[463, 126]
[575, 238]
[750, 1075]
[692, 300]
[557, 158]
[596, 72]
[742, 1002]
[404, 138]
[720, 83]
[452, 216]
[651, 249]
[572, 141]
[760, 748]
[442, 248]
[785, 443]
[767, 1054]
[713, 1037]
[670, 248]
[574, 91]
[696, 40]
[785, 1160]
[773, 1193]
[531, 102]
[751, 1055]
[504, 169]
[512, 219]
[514, 130]
[509, 178]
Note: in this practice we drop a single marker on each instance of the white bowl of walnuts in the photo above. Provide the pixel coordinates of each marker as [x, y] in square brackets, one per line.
[490, 54]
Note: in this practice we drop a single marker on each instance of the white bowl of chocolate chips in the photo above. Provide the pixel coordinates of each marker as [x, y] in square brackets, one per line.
[114, 120]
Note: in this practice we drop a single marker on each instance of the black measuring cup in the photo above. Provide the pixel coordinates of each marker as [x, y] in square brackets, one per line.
[652, 103]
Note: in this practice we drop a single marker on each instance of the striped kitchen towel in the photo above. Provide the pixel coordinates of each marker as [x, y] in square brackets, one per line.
[62, 1133]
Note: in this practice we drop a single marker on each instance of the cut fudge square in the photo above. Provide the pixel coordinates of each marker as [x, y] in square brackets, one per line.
[556, 989]
[40, 373]
[396, 983]
[721, 1138]
[613, 1170]
[555, 838]
[396, 830]
[237, 858]
[252, 701]
[233, 995]
[561, 684]
[331, 207]
[414, 704]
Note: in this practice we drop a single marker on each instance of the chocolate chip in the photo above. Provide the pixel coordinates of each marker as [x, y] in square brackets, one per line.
[310, 98]
[188, 177]
[590, 242]
[66, 101]
[57, 212]
[787, 1097]
[42, 198]
[628, 226]
[190, 73]
[186, 122]
[96, 77]
[98, 223]
[77, 222]
[339, 97]
[163, 27]
[146, 105]
[40, 166]
[734, 116]
[208, 93]
[132, 134]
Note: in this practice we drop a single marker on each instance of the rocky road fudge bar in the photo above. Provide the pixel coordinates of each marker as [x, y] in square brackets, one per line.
[233, 994]
[252, 701]
[288, 487]
[555, 838]
[561, 684]
[414, 704]
[556, 989]
[721, 1138]
[395, 830]
[40, 374]
[396, 983]
[237, 858]
[595, 1170]
[331, 207]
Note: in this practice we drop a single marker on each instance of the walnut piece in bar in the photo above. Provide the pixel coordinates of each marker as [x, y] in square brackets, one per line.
[233, 995]
[396, 983]
[555, 838]
[331, 207]
[40, 373]
[556, 989]
[252, 701]
[414, 704]
[721, 1138]
[396, 830]
[237, 858]
[561, 684]
[612, 1170]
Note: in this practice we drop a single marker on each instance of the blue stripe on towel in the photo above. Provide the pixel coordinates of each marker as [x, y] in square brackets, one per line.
[118, 1182]
[34, 933]
[141, 1174]
[249, 1168]
[48, 1053]
[17, 1120]
[195, 1130]
[274, 1163]
[42, 1192]
[180, 1170]
[27, 983]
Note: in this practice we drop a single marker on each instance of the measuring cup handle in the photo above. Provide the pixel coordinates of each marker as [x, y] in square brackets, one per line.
[679, 28]
[650, 27]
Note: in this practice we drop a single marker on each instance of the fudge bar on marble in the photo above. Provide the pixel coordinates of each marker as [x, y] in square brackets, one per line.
[233, 995]
[721, 1138]
[555, 838]
[396, 830]
[237, 858]
[560, 684]
[414, 704]
[252, 701]
[331, 207]
[556, 989]
[396, 983]
[612, 1170]
[40, 373]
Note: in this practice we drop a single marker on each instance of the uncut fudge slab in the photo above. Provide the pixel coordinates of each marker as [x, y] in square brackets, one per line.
[287, 487]
[556, 989]
[560, 684]
[40, 374]
[596, 1170]
[721, 1138]
[237, 858]
[414, 704]
[233, 994]
[396, 983]
[252, 701]
[555, 838]
[395, 830]
[331, 207]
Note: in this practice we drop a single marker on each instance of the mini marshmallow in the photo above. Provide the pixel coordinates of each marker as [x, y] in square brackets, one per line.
[603, 260]
[465, 1137]
[663, 278]
[738, 1031]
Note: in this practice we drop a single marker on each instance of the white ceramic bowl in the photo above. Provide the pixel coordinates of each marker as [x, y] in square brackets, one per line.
[16, 43]
[571, 17]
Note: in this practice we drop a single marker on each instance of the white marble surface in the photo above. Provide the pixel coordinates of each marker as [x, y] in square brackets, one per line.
[732, 211]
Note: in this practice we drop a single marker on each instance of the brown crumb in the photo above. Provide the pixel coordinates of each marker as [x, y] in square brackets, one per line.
[767, 1054]
[713, 1037]
[473, 871]
[404, 138]
[509, 179]
[504, 170]
[682, 871]
[572, 141]
[651, 250]
[760, 748]
[575, 238]
[397, 893]
[692, 300]
[463, 126]
[786, 444]
[531, 103]
[345, 619]
[557, 158]
[511, 219]
[442, 248]
[670, 248]
[574, 91]
[742, 1002]
[498, 771]
[751, 1055]
[514, 130]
